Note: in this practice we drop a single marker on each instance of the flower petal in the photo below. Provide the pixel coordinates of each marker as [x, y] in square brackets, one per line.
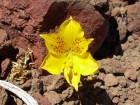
[70, 29]
[86, 64]
[80, 45]
[72, 76]
[53, 64]
[54, 43]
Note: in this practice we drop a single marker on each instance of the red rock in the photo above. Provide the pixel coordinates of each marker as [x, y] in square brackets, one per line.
[1, 14]
[3, 36]
[40, 99]
[12, 33]
[23, 14]
[39, 54]
[92, 23]
[45, 15]
[28, 30]
[21, 42]
[15, 4]
[4, 43]
[5, 68]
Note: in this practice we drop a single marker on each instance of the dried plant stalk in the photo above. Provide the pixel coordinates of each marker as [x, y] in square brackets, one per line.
[29, 100]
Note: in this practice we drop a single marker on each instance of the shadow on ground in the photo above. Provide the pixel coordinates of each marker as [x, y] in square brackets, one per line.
[91, 94]
[112, 45]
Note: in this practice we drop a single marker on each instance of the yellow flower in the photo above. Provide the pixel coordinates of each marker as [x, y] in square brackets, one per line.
[67, 53]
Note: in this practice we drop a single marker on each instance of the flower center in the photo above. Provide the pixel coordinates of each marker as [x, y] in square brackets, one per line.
[76, 46]
[60, 46]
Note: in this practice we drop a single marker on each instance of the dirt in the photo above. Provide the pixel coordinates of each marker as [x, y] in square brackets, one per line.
[114, 25]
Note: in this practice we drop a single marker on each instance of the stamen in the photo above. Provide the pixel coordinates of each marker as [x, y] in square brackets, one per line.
[76, 46]
[60, 48]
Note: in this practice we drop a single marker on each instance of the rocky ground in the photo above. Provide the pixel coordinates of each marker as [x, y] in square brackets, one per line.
[114, 24]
